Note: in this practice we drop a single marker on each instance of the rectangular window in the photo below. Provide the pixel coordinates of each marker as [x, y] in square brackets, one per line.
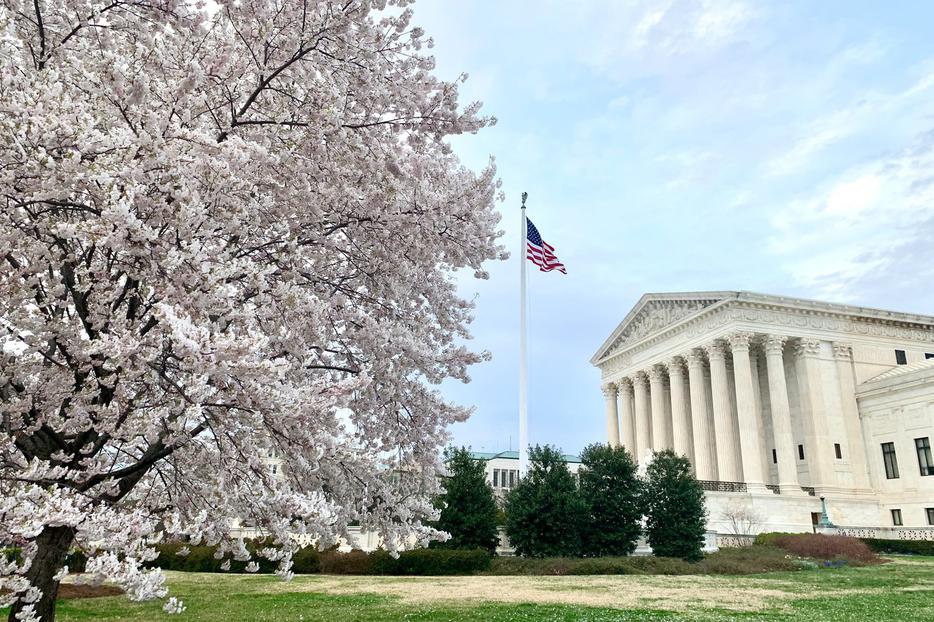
[838, 452]
[512, 478]
[495, 478]
[273, 468]
[929, 355]
[930, 514]
[800, 452]
[897, 517]
[891, 463]
[774, 457]
[923, 445]
[900, 357]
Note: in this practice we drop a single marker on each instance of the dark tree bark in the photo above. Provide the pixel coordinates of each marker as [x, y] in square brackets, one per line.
[53, 545]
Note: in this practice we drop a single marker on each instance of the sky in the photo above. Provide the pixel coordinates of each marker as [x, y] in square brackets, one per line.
[779, 147]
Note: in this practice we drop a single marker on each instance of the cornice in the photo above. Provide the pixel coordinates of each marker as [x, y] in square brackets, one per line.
[795, 315]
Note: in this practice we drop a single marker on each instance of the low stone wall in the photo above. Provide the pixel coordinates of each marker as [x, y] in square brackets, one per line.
[734, 541]
[883, 533]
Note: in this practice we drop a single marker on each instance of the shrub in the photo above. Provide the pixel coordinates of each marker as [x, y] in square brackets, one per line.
[544, 512]
[610, 492]
[441, 562]
[744, 561]
[747, 560]
[76, 560]
[823, 547]
[354, 562]
[768, 538]
[903, 547]
[422, 562]
[468, 507]
[674, 504]
[306, 560]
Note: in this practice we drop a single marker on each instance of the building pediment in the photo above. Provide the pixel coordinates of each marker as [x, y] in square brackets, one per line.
[653, 314]
[658, 313]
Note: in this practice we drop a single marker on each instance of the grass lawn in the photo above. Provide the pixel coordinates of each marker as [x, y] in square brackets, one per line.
[901, 590]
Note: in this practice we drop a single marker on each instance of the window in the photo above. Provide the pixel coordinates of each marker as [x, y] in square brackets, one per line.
[923, 445]
[930, 513]
[512, 478]
[929, 355]
[495, 478]
[838, 452]
[774, 457]
[891, 463]
[897, 517]
[800, 452]
[273, 468]
[900, 357]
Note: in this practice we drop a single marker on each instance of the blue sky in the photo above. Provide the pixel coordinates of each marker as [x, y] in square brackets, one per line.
[779, 147]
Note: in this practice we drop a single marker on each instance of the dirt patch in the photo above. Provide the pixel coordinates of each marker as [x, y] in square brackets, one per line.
[621, 592]
[72, 590]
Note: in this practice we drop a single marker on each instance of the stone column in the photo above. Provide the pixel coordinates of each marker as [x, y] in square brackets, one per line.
[612, 414]
[750, 435]
[728, 462]
[659, 428]
[854, 433]
[643, 421]
[781, 416]
[705, 447]
[818, 450]
[626, 420]
[682, 434]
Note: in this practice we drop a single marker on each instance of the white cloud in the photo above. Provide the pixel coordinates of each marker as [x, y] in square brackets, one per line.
[834, 243]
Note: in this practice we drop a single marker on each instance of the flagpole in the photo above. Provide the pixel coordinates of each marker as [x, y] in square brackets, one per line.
[523, 363]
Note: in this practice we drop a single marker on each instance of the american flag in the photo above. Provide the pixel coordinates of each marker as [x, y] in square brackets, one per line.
[540, 252]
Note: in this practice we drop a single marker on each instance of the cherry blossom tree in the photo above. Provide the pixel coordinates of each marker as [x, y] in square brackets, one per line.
[225, 231]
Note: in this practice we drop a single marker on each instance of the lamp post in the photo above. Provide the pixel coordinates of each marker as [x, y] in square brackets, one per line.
[824, 522]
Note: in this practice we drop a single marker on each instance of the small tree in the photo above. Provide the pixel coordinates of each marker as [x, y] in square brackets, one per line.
[610, 492]
[544, 512]
[468, 507]
[674, 503]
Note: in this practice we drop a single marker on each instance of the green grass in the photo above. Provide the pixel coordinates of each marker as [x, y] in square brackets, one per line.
[901, 590]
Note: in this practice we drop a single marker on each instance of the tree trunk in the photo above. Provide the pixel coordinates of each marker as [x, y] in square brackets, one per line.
[53, 545]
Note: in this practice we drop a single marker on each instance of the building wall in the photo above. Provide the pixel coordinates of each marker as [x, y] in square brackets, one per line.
[899, 410]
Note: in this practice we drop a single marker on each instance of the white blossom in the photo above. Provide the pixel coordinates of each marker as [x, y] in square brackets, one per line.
[173, 606]
[217, 242]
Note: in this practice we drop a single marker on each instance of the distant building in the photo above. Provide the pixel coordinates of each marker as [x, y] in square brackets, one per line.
[502, 469]
[778, 402]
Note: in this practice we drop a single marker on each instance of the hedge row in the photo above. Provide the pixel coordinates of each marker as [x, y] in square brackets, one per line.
[308, 560]
[904, 547]
[738, 561]
[879, 545]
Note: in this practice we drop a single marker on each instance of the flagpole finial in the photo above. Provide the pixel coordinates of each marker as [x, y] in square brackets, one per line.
[525, 195]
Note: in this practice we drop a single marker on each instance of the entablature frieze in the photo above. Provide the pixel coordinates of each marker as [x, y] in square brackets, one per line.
[720, 321]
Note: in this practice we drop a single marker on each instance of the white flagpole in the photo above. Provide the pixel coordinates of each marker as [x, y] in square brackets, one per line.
[523, 364]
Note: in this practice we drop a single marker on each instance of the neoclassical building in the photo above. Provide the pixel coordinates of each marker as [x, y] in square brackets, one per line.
[778, 402]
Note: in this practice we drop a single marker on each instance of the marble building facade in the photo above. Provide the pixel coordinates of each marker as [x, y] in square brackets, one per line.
[778, 402]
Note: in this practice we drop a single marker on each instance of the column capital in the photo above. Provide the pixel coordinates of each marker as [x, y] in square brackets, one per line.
[640, 378]
[715, 351]
[774, 344]
[657, 373]
[739, 341]
[676, 365]
[609, 390]
[842, 351]
[807, 347]
[625, 385]
[694, 358]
